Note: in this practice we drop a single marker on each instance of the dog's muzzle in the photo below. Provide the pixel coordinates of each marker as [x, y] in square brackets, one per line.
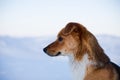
[45, 50]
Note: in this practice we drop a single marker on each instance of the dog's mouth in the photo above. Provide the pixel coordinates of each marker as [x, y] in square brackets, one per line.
[53, 55]
[57, 54]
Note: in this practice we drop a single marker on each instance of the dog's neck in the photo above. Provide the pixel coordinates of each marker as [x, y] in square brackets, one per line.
[79, 67]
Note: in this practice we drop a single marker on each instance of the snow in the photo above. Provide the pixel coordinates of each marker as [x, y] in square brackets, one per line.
[24, 59]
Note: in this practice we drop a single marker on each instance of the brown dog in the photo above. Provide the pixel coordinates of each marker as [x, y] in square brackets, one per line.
[87, 58]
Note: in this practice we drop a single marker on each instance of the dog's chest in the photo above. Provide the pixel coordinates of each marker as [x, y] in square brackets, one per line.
[79, 67]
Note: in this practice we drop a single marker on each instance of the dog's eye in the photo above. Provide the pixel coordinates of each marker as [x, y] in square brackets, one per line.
[60, 39]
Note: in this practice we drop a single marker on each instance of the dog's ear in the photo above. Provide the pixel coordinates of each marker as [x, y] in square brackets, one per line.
[96, 52]
[71, 27]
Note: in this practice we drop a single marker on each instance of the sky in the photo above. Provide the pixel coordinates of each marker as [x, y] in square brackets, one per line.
[33, 18]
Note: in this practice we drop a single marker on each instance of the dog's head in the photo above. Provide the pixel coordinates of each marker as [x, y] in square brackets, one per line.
[75, 39]
[68, 41]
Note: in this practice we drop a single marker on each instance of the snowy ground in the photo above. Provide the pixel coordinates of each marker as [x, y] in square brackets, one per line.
[24, 59]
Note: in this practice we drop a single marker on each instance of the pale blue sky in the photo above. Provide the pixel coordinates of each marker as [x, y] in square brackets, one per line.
[26, 18]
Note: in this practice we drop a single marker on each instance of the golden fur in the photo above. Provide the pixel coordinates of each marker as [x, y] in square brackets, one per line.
[76, 40]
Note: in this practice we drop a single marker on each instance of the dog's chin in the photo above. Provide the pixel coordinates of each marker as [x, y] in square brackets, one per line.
[59, 53]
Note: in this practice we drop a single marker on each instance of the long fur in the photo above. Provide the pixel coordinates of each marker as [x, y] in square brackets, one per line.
[87, 58]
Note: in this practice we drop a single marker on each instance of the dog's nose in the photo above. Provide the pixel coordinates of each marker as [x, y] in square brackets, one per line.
[45, 50]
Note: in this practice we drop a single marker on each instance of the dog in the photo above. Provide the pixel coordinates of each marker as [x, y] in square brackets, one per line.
[87, 58]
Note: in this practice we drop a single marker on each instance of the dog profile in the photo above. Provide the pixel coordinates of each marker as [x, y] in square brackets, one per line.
[87, 59]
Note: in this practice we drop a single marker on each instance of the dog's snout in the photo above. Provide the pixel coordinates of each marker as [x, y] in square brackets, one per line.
[45, 50]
